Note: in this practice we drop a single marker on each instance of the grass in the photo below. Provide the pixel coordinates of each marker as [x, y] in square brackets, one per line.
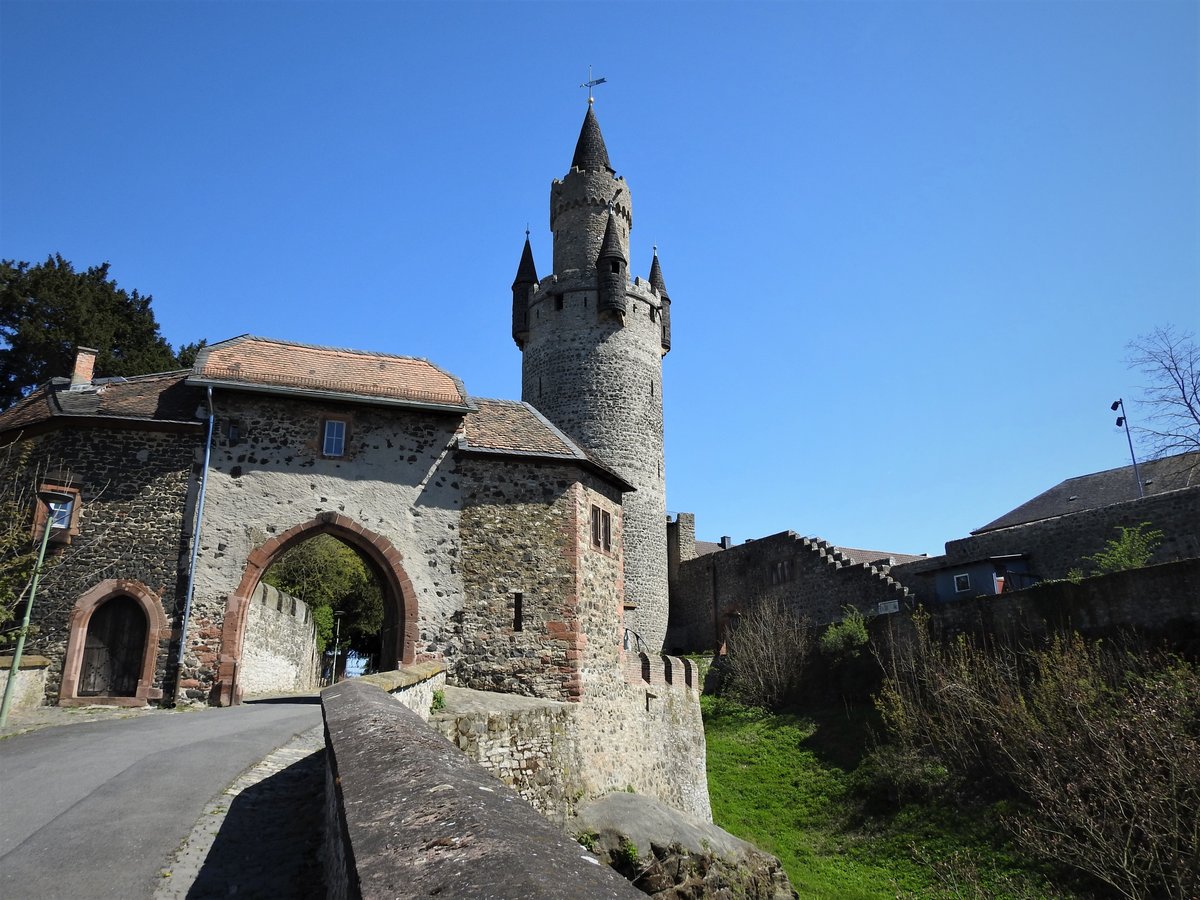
[785, 783]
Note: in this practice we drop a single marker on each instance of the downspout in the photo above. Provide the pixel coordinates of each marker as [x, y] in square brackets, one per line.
[191, 590]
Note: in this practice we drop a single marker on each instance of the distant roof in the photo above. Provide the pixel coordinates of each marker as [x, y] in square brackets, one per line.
[513, 428]
[876, 556]
[262, 364]
[703, 548]
[1105, 488]
[162, 398]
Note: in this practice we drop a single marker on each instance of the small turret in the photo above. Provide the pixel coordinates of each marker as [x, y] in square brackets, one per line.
[522, 285]
[660, 286]
[611, 266]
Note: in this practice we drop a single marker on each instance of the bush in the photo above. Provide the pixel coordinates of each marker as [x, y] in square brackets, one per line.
[1100, 746]
[767, 653]
[1133, 549]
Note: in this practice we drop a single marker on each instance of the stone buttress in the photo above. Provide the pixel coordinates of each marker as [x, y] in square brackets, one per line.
[592, 344]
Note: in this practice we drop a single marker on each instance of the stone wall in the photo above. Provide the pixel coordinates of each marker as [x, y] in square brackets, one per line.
[806, 574]
[641, 731]
[1055, 546]
[1160, 601]
[408, 815]
[396, 479]
[524, 543]
[415, 686]
[132, 526]
[280, 652]
[29, 690]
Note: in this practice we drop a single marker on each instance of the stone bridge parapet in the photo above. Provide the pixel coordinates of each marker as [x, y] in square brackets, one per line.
[408, 815]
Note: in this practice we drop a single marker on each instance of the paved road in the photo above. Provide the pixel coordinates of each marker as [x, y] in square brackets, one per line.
[96, 810]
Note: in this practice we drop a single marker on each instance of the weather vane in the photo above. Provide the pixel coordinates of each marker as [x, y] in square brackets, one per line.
[591, 83]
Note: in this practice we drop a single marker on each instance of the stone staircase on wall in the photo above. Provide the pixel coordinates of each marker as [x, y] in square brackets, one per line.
[874, 575]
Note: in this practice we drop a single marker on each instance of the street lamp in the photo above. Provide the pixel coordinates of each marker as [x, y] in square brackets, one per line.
[50, 498]
[1123, 419]
[337, 630]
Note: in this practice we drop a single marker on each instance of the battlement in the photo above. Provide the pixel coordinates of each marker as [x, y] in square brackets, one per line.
[659, 671]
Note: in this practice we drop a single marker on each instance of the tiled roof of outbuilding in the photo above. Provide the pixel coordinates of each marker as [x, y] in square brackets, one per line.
[1105, 488]
[874, 556]
[163, 397]
[590, 152]
[255, 363]
[512, 428]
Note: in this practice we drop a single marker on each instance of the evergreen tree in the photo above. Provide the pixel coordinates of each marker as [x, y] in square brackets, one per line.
[49, 309]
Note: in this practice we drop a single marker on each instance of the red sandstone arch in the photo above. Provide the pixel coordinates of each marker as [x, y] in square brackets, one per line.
[400, 600]
[81, 616]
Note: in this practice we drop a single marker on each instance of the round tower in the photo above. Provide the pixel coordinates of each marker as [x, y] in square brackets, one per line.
[592, 346]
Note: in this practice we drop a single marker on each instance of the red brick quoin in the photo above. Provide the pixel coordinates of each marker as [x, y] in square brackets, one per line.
[400, 600]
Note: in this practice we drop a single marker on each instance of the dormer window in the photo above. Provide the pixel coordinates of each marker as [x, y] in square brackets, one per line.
[334, 438]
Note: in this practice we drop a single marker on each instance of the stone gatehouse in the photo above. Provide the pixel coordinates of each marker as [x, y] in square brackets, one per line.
[520, 543]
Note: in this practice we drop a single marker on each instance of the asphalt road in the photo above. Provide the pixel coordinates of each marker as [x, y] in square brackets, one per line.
[96, 810]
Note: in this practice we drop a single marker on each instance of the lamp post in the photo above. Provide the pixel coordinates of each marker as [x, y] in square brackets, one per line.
[1123, 419]
[337, 631]
[49, 498]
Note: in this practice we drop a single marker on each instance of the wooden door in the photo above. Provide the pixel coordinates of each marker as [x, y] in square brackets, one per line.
[113, 650]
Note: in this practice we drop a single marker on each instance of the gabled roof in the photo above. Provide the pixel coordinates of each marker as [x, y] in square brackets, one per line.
[282, 367]
[590, 152]
[1105, 488]
[159, 398]
[512, 428]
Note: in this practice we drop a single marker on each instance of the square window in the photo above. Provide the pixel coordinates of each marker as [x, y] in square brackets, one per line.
[60, 514]
[334, 442]
[962, 583]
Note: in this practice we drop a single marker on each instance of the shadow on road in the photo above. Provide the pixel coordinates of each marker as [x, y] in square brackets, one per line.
[267, 846]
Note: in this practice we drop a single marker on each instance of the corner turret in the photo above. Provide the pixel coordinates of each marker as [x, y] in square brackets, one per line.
[522, 286]
[660, 287]
[611, 272]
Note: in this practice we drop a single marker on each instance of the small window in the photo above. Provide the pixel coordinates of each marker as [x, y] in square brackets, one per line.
[962, 583]
[58, 510]
[601, 529]
[558, 302]
[518, 611]
[334, 441]
[653, 314]
[616, 267]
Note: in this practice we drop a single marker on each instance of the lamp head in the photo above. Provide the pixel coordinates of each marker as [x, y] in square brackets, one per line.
[1115, 405]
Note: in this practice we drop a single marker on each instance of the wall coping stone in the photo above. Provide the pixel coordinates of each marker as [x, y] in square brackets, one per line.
[405, 676]
[418, 818]
[27, 662]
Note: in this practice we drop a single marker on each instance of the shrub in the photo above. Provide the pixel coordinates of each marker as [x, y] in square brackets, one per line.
[1100, 745]
[1133, 549]
[847, 639]
[767, 652]
[439, 700]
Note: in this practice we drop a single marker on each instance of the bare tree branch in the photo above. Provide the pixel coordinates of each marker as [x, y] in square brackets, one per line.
[1170, 360]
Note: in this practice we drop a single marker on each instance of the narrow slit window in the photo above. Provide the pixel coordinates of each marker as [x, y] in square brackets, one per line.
[518, 611]
[558, 302]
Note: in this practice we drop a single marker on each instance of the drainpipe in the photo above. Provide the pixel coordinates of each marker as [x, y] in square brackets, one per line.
[191, 590]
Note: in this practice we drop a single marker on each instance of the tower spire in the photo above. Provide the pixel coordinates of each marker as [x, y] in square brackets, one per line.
[590, 152]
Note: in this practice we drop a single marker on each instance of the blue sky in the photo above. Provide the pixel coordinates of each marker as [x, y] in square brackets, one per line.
[906, 242]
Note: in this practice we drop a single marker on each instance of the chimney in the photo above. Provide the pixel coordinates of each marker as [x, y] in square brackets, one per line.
[85, 363]
[726, 542]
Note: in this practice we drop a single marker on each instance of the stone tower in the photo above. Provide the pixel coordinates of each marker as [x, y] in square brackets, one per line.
[592, 345]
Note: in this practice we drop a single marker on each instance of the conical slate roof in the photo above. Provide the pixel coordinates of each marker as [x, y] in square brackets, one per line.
[656, 279]
[526, 271]
[590, 152]
[610, 247]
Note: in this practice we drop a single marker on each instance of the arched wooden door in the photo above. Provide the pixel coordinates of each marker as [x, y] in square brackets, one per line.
[113, 649]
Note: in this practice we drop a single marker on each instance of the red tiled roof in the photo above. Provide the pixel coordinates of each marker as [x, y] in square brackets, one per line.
[512, 427]
[871, 556]
[250, 362]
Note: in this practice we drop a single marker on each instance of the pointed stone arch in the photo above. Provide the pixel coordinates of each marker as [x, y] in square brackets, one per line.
[157, 629]
[400, 600]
